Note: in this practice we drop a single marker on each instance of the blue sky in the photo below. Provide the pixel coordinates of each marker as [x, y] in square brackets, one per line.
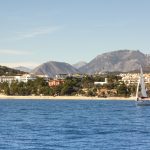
[36, 31]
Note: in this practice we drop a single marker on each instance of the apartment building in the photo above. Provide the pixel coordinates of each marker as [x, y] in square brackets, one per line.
[132, 78]
[23, 78]
[55, 82]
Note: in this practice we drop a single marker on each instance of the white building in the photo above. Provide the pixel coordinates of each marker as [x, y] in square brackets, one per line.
[101, 83]
[133, 78]
[61, 76]
[23, 78]
[8, 79]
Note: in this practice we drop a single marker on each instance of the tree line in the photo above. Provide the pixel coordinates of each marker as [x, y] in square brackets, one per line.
[71, 86]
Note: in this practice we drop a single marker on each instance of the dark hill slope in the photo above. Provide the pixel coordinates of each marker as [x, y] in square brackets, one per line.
[9, 71]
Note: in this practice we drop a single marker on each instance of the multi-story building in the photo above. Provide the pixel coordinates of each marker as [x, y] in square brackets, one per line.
[23, 78]
[55, 82]
[26, 77]
[132, 78]
[8, 79]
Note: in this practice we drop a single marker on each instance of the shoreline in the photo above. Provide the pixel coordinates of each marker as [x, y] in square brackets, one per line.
[63, 98]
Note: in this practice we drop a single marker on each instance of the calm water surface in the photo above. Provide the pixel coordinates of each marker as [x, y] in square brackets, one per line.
[73, 125]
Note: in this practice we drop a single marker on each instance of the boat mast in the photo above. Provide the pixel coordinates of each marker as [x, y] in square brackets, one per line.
[137, 90]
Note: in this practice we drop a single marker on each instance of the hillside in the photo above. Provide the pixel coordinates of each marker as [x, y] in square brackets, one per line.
[122, 60]
[9, 71]
[53, 68]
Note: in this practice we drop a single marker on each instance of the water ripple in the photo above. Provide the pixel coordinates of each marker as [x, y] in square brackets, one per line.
[62, 125]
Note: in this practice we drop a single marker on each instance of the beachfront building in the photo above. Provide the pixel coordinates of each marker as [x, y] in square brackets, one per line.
[129, 78]
[132, 78]
[8, 79]
[23, 78]
[101, 83]
[55, 82]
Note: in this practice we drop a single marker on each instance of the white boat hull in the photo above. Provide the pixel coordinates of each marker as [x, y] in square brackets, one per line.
[143, 102]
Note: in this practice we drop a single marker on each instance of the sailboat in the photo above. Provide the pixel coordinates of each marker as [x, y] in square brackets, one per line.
[141, 95]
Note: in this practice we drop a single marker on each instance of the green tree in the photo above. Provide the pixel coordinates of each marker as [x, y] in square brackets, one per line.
[5, 88]
[123, 90]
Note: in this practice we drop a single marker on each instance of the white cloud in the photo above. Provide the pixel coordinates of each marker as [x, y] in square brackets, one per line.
[14, 52]
[36, 32]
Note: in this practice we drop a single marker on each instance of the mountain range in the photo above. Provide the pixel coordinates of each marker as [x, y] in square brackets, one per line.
[121, 61]
[115, 61]
[53, 68]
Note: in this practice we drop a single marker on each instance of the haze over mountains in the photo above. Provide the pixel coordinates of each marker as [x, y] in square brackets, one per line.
[79, 64]
[121, 60]
[24, 69]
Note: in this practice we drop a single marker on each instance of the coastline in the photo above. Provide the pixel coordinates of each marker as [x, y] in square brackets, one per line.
[63, 98]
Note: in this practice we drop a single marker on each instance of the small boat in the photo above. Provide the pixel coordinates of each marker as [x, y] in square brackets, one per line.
[141, 95]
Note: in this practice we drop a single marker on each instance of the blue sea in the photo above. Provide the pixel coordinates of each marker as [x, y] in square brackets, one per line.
[73, 125]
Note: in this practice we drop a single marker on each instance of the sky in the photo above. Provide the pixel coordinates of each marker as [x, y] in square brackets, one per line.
[33, 32]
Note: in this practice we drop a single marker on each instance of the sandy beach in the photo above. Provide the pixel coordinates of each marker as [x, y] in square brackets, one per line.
[64, 97]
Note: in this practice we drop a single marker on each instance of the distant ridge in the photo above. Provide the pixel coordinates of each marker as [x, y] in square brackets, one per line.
[9, 71]
[79, 64]
[53, 68]
[115, 61]
[121, 60]
[21, 68]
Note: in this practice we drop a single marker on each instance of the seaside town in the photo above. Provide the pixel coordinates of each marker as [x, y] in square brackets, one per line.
[75, 75]
[97, 85]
